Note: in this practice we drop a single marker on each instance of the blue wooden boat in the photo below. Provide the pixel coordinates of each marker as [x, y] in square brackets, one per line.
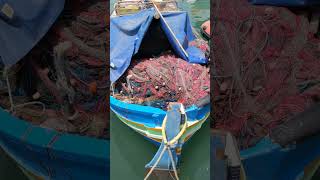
[138, 33]
[147, 120]
[43, 153]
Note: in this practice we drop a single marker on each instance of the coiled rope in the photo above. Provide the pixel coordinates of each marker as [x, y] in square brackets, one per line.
[13, 107]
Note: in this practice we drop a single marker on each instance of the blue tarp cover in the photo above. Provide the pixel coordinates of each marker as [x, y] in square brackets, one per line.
[286, 2]
[127, 32]
[22, 24]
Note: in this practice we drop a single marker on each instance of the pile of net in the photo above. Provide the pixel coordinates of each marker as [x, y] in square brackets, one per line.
[160, 80]
[86, 64]
[266, 68]
[62, 83]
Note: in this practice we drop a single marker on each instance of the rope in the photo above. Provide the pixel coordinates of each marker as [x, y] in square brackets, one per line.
[175, 139]
[112, 89]
[157, 162]
[14, 107]
[168, 145]
[9, 89]
[165, 22]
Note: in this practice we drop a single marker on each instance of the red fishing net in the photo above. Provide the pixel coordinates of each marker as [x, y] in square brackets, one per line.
[66, 74]
[87, 60]
[266, 68]
[167, 78]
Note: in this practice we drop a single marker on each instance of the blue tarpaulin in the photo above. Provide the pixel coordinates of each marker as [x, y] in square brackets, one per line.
[296, 3]
[127, 32]
[22, 24]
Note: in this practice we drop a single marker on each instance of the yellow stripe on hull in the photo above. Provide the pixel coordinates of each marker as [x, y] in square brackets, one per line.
[158, 138]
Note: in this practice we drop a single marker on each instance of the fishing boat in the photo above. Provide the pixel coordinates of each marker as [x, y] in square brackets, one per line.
[147, 120]
[152, 21]
[43, 153]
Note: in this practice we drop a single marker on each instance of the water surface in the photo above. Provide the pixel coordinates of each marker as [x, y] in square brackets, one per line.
[130, 152]
[9, 169]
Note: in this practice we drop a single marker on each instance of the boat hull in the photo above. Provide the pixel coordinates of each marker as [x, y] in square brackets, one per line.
[147, 121]
[280, 163]
[47, 154]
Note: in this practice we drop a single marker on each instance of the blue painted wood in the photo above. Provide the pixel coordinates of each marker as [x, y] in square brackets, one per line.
[172, 129]
[268, 161]
[48, 153]
[151, 116]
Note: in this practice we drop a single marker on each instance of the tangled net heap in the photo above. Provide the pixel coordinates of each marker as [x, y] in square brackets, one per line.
[157, 81]
[267, 68]
[87, 60]
[65, 74]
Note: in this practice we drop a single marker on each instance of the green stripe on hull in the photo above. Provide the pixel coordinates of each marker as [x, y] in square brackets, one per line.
[138, 126]
[155, 133]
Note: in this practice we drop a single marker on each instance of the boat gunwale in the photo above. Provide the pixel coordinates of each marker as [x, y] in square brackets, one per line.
[24, 129]
[191, 129]
[145, 109]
